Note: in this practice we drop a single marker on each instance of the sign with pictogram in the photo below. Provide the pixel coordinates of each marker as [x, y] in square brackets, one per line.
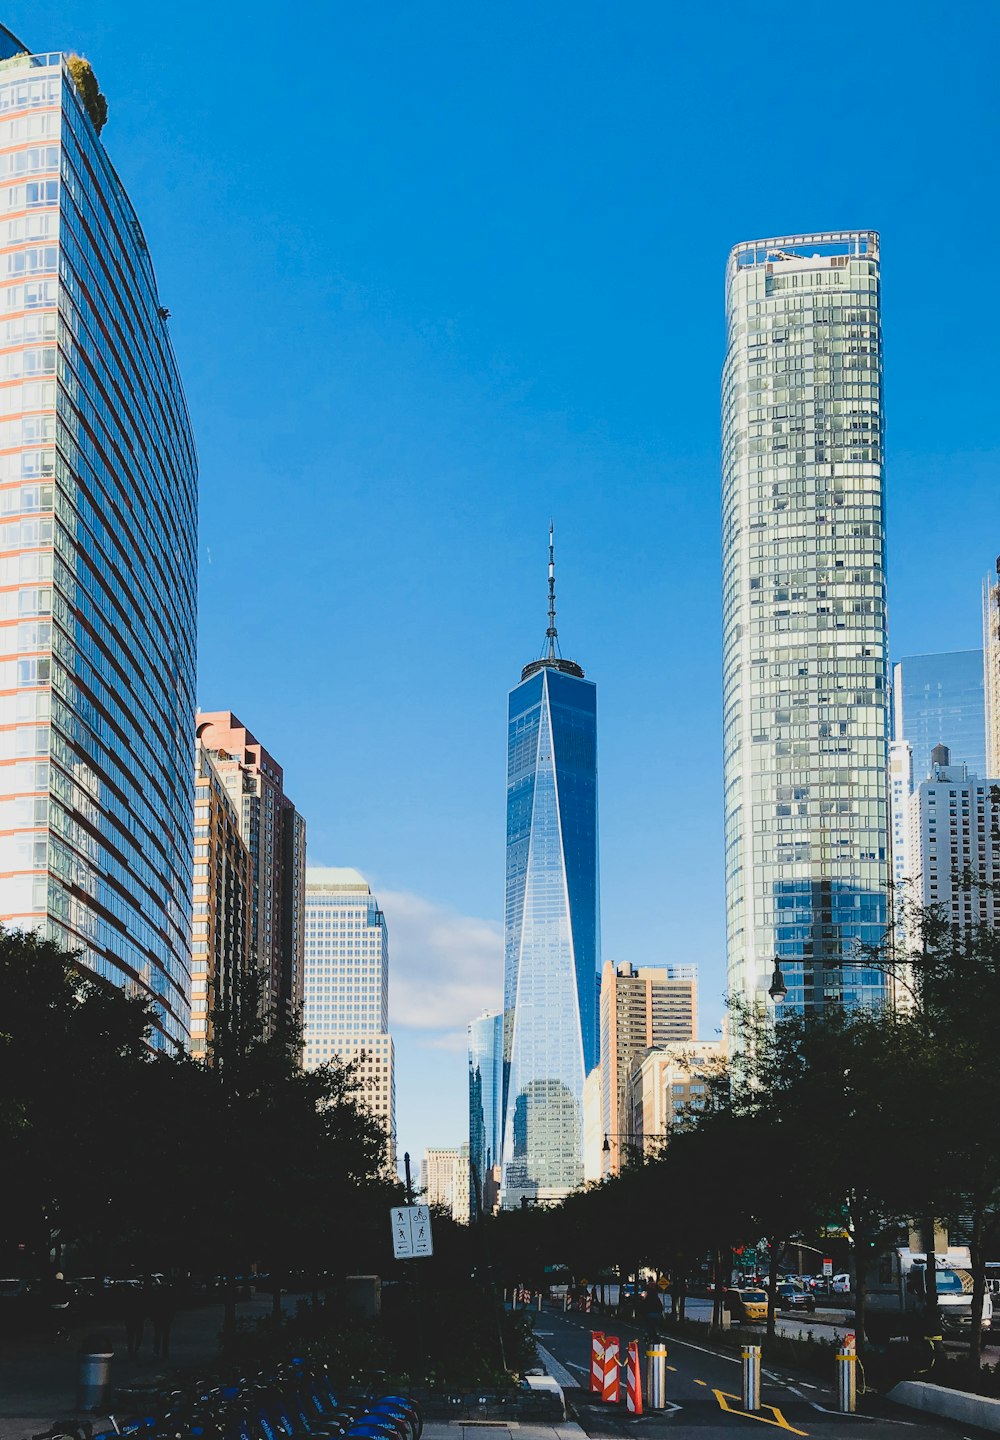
[828, 1268]
[411, 1231]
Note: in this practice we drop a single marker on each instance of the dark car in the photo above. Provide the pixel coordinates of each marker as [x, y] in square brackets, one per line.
[792, 1297]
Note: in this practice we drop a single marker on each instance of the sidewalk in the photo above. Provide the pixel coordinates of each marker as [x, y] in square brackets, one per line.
[38, 1379]
[472, 1430]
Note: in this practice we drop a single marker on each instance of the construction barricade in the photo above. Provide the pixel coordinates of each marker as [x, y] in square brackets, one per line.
[611, 1392]
[633, 1380]
[597, 1362]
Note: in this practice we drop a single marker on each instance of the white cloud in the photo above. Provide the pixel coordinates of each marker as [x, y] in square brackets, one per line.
[444, 968]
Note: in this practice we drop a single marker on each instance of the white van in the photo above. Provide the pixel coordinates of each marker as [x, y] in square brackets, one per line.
[896, 1291]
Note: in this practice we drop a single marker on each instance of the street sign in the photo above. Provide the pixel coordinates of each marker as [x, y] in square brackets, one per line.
[827, 1268]
[411, 1231]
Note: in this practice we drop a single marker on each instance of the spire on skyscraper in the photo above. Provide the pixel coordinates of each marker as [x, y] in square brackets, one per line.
[552, 634]
[551, 656]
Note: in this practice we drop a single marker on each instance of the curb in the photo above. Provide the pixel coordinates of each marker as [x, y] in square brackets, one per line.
[959, 1405]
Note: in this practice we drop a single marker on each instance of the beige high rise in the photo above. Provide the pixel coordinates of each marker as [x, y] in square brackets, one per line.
[639, 1009]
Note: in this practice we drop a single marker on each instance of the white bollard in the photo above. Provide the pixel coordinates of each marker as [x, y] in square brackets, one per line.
[656, 1377]
[751, 1378]
[847, 1379]
[539, 1300]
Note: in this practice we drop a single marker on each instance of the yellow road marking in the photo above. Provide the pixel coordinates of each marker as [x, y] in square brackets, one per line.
[702, 1382]
[673, 1368]
[737, 1409]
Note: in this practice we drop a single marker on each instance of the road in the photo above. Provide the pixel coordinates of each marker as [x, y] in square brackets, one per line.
[797, 1324]
[704, 1388]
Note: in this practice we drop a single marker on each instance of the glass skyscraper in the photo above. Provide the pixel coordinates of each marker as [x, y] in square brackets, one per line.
[485, 1105]
[552, 944]
[938, 700]
[98, 532]
[804, 617]
[346, 992]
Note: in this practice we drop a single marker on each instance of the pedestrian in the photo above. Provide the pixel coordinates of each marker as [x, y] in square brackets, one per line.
[58, 1296]
[135, 1317]
[162, 1306]
[651, 1307]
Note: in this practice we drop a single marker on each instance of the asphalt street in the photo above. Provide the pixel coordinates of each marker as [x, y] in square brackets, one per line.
[703, 1387]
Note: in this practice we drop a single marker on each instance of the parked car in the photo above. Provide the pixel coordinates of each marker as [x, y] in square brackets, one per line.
[841, 1285]
[793, 1297]
[750, 1306]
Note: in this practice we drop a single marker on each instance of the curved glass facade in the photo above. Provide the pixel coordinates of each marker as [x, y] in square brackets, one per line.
[98, 534]
[485, 1098]
[804, 639]
[551, 932]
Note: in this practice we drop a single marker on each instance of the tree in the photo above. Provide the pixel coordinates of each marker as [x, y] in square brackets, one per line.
[72, 1052]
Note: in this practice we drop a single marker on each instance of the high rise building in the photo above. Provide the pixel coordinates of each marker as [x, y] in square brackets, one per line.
[347, 987]
[639, 1008]
[938, 700]
[804, 662]
[98, 536]
[437, 1176]
[665, 1085]
[222, 940]
[552, 940]
[991, 669]
[485, 1104]
[954, 832]
[275, 835]
[461, 1189]
[594, 1133]
[900, 790]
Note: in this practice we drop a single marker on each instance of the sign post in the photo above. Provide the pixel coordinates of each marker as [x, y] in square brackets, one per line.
[411, 1231]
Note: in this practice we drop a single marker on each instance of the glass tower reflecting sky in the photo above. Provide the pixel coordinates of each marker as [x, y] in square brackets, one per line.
[485, 1103]
[552, 944]
[938, 700]
[98, 535]
[804, 620]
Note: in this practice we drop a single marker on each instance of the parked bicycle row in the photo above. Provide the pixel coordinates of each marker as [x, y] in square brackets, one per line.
[297, 1401]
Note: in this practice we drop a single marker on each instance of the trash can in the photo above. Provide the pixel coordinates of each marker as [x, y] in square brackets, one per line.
[94, 1386]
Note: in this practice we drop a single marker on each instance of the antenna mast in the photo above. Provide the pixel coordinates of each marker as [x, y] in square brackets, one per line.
[551, 634]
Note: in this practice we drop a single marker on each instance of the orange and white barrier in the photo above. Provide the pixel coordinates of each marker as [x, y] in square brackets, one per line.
[611, 1388]
[597, 1361]
[633, 1380]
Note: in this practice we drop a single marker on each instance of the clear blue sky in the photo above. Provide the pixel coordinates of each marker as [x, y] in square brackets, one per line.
[440, 271]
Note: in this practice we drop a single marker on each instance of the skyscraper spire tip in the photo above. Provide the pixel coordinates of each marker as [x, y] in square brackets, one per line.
[552, 634]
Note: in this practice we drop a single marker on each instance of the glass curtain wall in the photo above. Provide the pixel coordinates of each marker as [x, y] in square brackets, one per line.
[805, 694]
[97, 549]
[550, 994]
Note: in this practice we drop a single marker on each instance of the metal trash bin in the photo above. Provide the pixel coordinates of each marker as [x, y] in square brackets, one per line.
[94, 1381]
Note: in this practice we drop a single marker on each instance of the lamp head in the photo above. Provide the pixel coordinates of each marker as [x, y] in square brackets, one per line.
[778, 989]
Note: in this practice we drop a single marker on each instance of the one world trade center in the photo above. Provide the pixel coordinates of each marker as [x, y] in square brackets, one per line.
[552, 930]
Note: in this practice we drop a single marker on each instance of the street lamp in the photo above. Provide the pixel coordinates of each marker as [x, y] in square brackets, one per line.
[630, 1140]
[778, 989]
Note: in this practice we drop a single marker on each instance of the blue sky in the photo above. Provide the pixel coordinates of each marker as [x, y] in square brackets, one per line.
[438, 272]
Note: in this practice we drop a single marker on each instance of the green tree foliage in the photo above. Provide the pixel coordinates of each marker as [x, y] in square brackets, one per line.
[156, 1161]
[864, 1120]
[95, 104]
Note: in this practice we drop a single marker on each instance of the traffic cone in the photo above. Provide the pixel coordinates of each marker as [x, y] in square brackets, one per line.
[633, 1380]
[597, 1361]
[611, 1392]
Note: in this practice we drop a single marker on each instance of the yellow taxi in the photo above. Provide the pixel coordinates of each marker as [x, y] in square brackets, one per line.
[748, 1306]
